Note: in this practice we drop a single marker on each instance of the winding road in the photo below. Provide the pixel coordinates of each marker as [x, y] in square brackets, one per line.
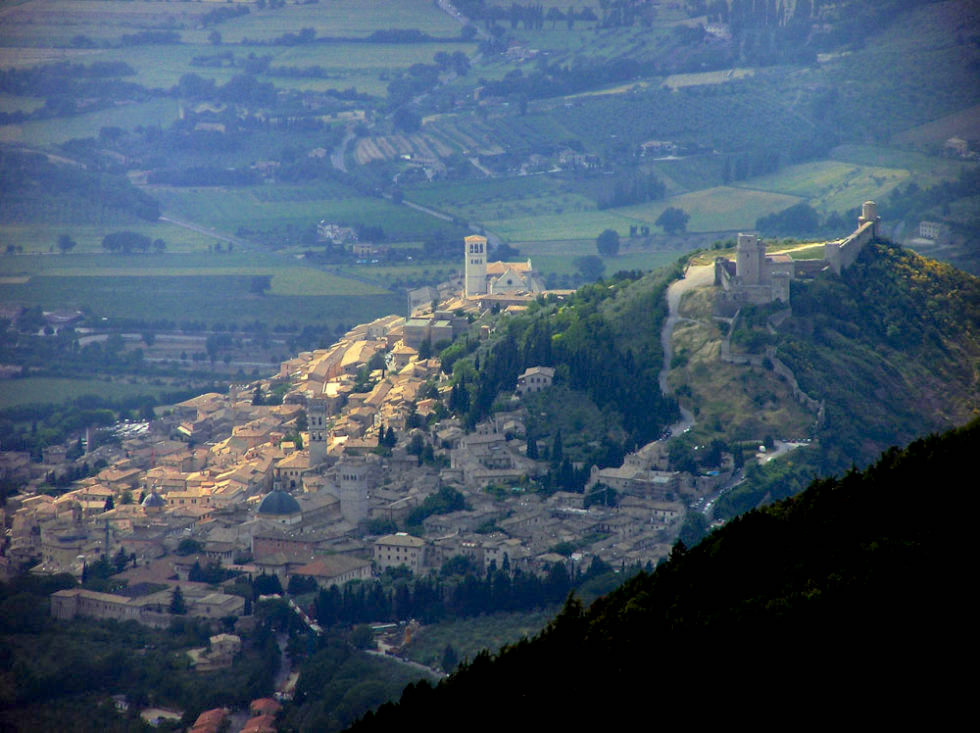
[695, 277]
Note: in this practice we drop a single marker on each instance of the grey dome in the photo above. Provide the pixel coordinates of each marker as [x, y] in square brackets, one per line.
[279, 503]
[153, 501]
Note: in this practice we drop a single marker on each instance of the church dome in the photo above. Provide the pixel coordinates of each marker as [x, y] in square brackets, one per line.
[278, 503]
[153, 501]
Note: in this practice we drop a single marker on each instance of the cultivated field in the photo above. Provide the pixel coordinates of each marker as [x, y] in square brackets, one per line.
[831, 185]
[190, 287]
[339, 20]
[47, 390]
[62, 129]
[54, 23]
[965, 124]
[227, 209]
[676, 81]
[200, 298]
[718, 209]
[42, 237]
[925, 169]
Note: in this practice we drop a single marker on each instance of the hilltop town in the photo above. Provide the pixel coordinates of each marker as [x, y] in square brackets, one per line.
[309, 473]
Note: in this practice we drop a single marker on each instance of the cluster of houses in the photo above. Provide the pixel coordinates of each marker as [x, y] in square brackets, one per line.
[313, 486]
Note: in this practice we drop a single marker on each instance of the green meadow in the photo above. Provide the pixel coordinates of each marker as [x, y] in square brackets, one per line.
[717, 209]
[42, 237]
[260, 208]
[55, 390]
[831, 185]
[341, 20]
[208, 297]
[62, 129]
[191, 287]
[926, 169]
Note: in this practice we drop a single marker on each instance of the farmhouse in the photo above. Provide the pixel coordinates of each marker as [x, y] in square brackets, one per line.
[535, 379]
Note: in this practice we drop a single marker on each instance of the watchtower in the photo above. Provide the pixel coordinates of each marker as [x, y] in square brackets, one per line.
[475, 251]
[750, 258]
[869, 213]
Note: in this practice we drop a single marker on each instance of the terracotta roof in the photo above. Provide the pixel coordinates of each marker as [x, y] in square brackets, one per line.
[499, 268]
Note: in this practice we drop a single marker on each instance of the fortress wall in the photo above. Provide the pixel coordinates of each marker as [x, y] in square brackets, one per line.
[851, 247]
[841, 255]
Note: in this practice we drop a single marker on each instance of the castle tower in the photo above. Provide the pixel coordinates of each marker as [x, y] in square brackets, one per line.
[750, 257]
[869, 213]
[475, 251]
[316, 413]
[355, 477]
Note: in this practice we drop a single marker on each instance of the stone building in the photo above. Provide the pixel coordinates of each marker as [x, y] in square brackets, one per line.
[493, 278]
[757, 278]
[394, 550]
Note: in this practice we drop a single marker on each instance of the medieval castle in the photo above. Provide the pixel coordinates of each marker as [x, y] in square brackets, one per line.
[758, 278]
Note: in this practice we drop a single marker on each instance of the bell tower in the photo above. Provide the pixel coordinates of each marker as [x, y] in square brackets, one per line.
[475, 267]
[316, 412]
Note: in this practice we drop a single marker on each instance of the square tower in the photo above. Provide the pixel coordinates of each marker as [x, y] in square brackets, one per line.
[475, 265]
[750, 258]
[316, 413]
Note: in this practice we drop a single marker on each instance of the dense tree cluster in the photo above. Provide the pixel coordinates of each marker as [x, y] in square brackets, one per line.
[460, 591]
[31, 185]
[585, 340]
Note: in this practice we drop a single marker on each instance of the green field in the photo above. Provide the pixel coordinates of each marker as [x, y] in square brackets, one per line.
[676, 81]
[564, 226]
[207, 298]
[264, 208]
[339, 20]
[199, 287]
[495, 200]
[47, 23]
[964, 124]
[45, 390]
[831, 185]
[62, 129]
[718, 209]
[346, 64]
[926, 169]
[14, 103]
[469, 636]
[41, 237]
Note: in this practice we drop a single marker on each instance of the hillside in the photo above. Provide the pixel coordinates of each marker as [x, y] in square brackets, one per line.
[885, 353]
[817, 603]
[890, 349]
[604, 341]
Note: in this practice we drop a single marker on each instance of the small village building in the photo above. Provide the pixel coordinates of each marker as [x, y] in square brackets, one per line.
[336, 570]
[394, 550]
[535, 379]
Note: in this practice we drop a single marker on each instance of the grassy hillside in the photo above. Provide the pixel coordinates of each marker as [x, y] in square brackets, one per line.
[891, 348]
[781, 610]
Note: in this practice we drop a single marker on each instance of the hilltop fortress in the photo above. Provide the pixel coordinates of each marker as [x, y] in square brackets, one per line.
[757, 278]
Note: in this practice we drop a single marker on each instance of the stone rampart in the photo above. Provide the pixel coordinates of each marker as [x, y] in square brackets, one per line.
[841, 255]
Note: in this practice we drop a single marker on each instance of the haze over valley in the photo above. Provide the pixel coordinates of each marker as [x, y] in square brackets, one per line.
[344, 342]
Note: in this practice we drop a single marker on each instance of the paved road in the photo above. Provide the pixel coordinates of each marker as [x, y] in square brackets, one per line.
[435, 673]
[696, 277]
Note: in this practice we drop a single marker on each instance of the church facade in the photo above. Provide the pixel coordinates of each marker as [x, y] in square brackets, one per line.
[494, 278]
